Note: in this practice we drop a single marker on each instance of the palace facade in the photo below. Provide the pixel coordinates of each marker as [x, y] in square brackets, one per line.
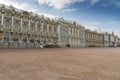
[22, 29]
[71, 33]
[93, 38]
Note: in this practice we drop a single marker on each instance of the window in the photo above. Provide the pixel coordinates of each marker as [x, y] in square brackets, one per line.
[44, 27]
[38, 28]
[8, 15]
[25, 26]
[31, 38]
[49, 40]
[38, 39]
[7, 23]
[32, 26]
[24, 38]
[16, 25]
[50, 29]
[6, 37]
[16, 37]
[55, 29]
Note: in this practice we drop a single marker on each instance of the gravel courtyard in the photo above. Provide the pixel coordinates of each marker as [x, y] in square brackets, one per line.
[60, 64]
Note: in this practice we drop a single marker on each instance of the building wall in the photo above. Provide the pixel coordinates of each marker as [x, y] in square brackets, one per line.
[27, 30]
[71, 34]
[24, 29]
[116, 40]
[106, 39]
[93, 39]
[111, 40]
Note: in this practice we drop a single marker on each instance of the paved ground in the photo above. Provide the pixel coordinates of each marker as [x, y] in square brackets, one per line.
[60, 64]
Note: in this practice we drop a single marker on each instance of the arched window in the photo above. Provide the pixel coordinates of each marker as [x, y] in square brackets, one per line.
[31, 38]
[50, 29]
[32, 26]
[70, 30]
[16, 25]
[39, 27]
[74, 31]
[55, 29]
[16, 37]
[6, 36]
[45, 27]
[38, 39]
[49, 40]
[7, 23]
[8, 15]
[44, 40]
[24, 38]
[25, 26]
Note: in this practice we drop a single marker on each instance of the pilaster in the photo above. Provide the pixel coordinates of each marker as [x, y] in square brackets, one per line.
[36, 26]
[52, 28]
[2, 19]
[29, 24]
[12, 22]
[21, 20]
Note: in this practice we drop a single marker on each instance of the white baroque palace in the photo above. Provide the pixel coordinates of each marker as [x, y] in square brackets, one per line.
[22, 29]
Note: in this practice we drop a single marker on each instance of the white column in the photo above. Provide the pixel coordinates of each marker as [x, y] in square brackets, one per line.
[69, 35]
[2, 19]
[76, 32]
[12, 21]
[36, 26]
[52, 28]
[29, 24]
[74, 37]
[59, 35]
[21, 23]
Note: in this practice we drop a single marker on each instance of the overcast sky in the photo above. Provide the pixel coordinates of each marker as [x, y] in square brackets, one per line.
[94, 14]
